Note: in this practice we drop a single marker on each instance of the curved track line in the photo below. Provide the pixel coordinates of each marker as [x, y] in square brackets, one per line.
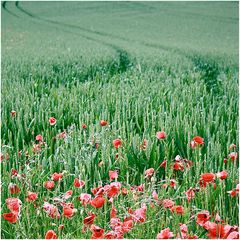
[4, 3]
[103, 34]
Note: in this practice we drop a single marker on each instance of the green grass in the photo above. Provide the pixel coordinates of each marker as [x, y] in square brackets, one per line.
[144, 67]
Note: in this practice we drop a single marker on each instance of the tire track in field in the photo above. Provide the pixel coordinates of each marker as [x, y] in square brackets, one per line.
[4, 3]
[123, 55]
[104, 34]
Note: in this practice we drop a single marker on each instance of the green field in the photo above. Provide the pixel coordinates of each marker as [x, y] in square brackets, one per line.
[143, 67]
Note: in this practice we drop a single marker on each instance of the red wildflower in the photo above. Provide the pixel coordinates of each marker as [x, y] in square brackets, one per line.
[98, 202]
[89, 219]
[14, 205]
[13, 113]
[178, 165]
[68, 211]
[49, 184]
[62, 135]
[103, 123]
[190, 193]
[113, 189]
[51, 210]
[14, 172]
[78, 183]
[163, 164]
[149, 172]
[233, 156]
[207, 177]
[50, 235]
[232, 193]
[165, 234]
[57, 176]
[198, 140]
[173, 183]
[124, 191]
[52, 121]
[144, 145]
[85, 198]
[10, 217]
[31, 196]
[39, 138]
[178, 209]
[97, 232]
[113, 175]
[13, 188]
[160, 135]
[222, 175]
[155, 195]
[139, 215]
[168, 203]
[233, 235]
[117, 143]
[202, 217]
[84, 126]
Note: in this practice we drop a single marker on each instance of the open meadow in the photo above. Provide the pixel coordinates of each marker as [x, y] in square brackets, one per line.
[119, 120]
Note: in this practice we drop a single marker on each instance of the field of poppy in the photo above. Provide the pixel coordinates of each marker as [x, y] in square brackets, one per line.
[119, 120]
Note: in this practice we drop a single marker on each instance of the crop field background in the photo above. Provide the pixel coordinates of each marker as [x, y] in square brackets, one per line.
[130, 109]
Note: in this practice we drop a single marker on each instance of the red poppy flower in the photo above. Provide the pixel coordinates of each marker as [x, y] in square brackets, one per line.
[57, 176]
[49, 184]
[222, 175]
[214, 230]
[139, 215]
[98, 202]
[113, 212]
[173, 183]
[207, 177]
[52, 121]
[85, 198]
[233, 156]
[124, 191]
[202, 217]
[178, 209]
[165, 234]
[13, 188]
[13, 113]
[103, 123]
[51, 235]
[178, 165]
[31, 196]
[97, 232]
[232, 193]
[62, 135]
[39, 138]
[160, 135]
[89, 219]
[14, 172]
[51, 210]
[198, 140]
[190, 193]
[155, 195]
[10, 217]
[233, 235]
[78, 183]
[168, 203]
[113, 189]
[14, 205]
[149, 172]
[117, 143]
[144, 145]
[84, 126]
[163, 164]
[113, 175]
[68, 211]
